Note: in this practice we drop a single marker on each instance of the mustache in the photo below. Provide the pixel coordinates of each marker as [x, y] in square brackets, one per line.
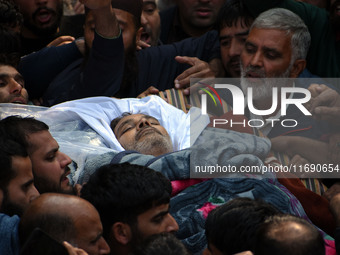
[147, 30]
[200, 5]
[234, 60]
[257, 70]
[141, 132]
[36, 12]
[66, 173]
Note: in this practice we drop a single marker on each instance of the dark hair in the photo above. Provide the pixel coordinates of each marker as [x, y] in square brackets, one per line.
[8, 149]
[161, 244]
[18, 128]
[9, 47]
[231, 12]
[276, 236]
[59, 226]
[10, 15]
[231, 227]
[115, 121]
[120, 192]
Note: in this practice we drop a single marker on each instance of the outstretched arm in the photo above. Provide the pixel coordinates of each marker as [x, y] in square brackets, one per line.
[103, 72]
[105, 20]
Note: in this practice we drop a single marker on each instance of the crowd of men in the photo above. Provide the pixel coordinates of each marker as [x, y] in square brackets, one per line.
[129, 48]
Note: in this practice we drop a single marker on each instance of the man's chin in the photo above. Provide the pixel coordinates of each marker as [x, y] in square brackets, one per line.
[69, 190]
[66, 188]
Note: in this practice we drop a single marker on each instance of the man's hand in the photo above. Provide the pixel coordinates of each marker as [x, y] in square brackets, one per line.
[142, 45]
[198, 69]
[150, 91]
[72, 250]
[105, 20]
[325, 104]
[61, 40]
[79, 8]
[281, 144]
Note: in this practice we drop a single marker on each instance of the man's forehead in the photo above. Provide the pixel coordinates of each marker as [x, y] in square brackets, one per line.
[136, 117]
[42, 140]
[273, 37]
[8, 70]
[131, 119]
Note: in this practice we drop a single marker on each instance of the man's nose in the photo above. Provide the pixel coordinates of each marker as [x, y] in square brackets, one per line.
[143, 20]
[15, 87]
[64, 160]
[143, 123]
[172, 224]
[103, 246]
[34, 193]
[257, 59]
[235, 48]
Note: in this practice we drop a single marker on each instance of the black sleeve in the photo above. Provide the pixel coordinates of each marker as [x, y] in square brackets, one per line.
[158, 67]
[103, 72]
[41, 67]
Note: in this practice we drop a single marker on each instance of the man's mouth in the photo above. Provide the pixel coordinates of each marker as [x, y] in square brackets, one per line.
[64, 178]
[18, 100]
[146, 131]
[253, 75]
[43, 15]
[145, 37]
[203, 12]
[235, 65]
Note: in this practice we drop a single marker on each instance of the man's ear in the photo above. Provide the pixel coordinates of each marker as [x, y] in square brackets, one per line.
[139, 34]
[297, 68]
[122, 232]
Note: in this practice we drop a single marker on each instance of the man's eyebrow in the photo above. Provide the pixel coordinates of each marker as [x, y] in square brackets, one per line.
[247, 43]
[267, 49]
[27, 184]
[242, 33]
[54, 150]
[160, 214]
[4, 75]
[125, 122]
[15, 75]
[223, 37]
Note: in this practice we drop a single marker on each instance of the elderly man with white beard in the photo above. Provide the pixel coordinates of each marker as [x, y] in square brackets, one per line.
[274, 55]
